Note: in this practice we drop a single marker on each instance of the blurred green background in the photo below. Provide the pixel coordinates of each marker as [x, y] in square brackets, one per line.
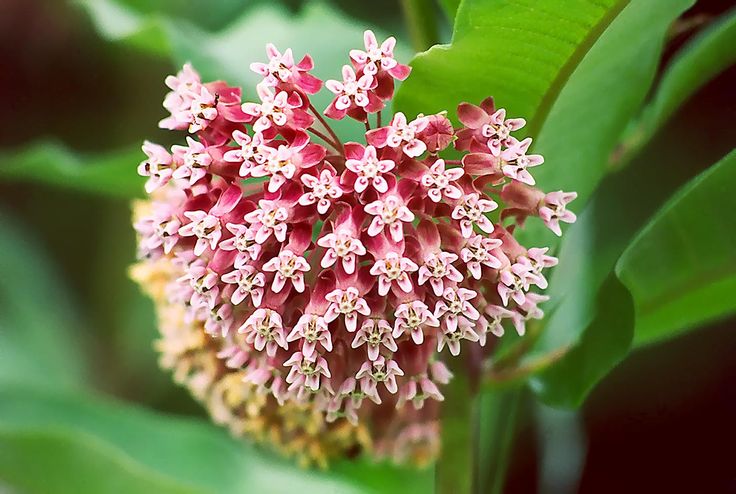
[83, 84]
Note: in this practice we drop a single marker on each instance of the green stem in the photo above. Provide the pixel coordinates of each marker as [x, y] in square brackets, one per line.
[499, 414]
[421, 22]
[455, 471]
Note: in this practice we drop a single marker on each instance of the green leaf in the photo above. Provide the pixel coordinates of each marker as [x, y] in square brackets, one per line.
[58, 443]
[112, 173]
[681, 268]
[603, 344]
[619, 208]
[520, 52]
[700, 60]
[40, 334]
[602, 96]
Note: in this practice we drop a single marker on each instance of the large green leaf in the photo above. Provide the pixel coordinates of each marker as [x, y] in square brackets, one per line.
[601, 97]
[112, 173]
[520, 52]
[700, 60]
[681, 268]
[40, 333]
[46, 439]
[620, 207]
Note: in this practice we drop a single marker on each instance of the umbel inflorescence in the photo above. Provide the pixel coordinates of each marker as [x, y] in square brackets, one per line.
[309, 289]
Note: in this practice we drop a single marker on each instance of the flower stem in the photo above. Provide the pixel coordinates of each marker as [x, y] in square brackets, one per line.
[339, 147]
[326, 139]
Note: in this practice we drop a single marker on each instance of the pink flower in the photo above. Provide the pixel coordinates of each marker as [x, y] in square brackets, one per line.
[160, 229]
[185, 86]
[368, 168]
[349, 303]
[497, 314]
[437, 268]
[478, 252]
[537, 260]
[203, 284]
[375, 333]
[281, 69]
[471, 211]
[352, 93]
[287, 266]
[244, 241]
[265, 329]
[389, 211]
[451, 339]
[516, 161]
[306, 371]
[455, 307]
[418, 390]
[555, 210]
[345, 267]
[438, 134]
[372, 373]
[158, 166]
[401, 134]
[411, 317]
[376, 57]
[486, 129]
[249, 283]
[323, 190]
[311, 329]
[252, 152]
[196, 161]
[205, 226]
[514, 283]
[393, 269]
[276, 110]
[282, 164]
[343, 244]
[269, 218]
[438, 182]
[219, 320]
[498, 130]
[202, 111]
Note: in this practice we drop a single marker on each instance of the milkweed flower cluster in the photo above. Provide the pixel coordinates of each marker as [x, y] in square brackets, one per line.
[324, 283]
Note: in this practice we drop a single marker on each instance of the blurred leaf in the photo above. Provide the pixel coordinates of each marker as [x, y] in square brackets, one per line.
[111, 174]
[421, 19]
[701, 59]
[40, 335]
[519, 52]
[56, 443]
[218, 13]
[226, 54]
[450, 8]
[562, 449]
[601, 97]
[621, 206]
[681, 268]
